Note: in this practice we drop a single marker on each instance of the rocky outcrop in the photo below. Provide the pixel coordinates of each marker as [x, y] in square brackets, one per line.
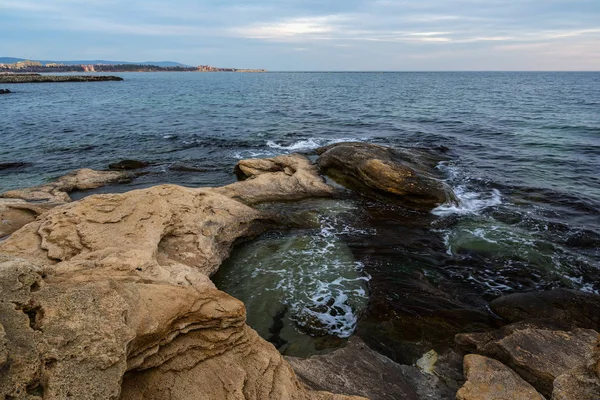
[358, 370]
[538, 355]
[110, 297]
[559, 305]
[57, 191]
[15, 213]
[34, 78]
[488, 379]
[400, 175]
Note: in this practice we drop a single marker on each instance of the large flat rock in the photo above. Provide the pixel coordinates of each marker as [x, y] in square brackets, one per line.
[488, 379]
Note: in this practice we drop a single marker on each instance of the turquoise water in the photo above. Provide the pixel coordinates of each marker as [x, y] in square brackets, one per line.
[524, 153]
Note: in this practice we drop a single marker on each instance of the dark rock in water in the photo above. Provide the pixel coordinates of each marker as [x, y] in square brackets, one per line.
[358, 370]
[34, 78]
[177, 166]
[128, 164]
[5, 91]
[560, 305]
[14, 165]
[403, 175]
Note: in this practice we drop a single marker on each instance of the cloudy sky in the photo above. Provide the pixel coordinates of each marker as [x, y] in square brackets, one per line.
[311, 34]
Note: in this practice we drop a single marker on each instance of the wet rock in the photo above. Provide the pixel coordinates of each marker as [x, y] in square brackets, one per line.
[177, 166]
[488, 379]
[109, 297]
[57, 191]
[560, 305]
[5, 91]
[128, 165]
[358, 370]
[539, 356]
[406, 176]
[14, 165]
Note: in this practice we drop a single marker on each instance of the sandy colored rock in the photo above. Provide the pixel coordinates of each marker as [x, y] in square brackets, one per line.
[488, 379]
[109, 297]
[406, 176]
[287, 177]
[57, 191]
[15, 213]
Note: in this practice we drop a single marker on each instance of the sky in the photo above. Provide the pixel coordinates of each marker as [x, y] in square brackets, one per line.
[311, 35]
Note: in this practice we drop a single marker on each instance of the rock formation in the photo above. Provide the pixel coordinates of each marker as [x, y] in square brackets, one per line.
[550, 347]
[358, 370]
[488, 379]
[399, 175]
[109, 297]
[57, 191]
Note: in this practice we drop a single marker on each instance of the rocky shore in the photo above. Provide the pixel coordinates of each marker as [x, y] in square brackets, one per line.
[110, 297]
[34, 78]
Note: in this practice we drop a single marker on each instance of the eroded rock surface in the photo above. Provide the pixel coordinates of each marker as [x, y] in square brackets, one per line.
[15, 213]
[405, 176]
[488, 379]
[358, 370]
[109, 297]
[57, 191]
[539, 356]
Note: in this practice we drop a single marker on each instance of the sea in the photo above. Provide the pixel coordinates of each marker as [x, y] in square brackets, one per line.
[523, 157]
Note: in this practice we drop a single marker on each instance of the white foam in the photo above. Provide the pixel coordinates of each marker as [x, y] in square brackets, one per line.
[469, 202]
[309, 144]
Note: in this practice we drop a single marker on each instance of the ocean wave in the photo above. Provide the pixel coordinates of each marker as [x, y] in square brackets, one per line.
[469, 202]
[309, 144]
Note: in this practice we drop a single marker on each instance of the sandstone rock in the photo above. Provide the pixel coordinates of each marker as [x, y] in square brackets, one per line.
[358, 370]
[578, 384]
[405, 176]
[287, 177]
[538, 355]
[488, 379]
[560, 305]
[128, 164]
[15, 213]
[109, 297]
[581, 383]
[57, 191]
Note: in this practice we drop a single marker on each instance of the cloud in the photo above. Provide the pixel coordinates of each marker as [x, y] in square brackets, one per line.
[352, 34]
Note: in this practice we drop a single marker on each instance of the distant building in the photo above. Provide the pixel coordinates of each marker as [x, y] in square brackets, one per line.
[88, 68]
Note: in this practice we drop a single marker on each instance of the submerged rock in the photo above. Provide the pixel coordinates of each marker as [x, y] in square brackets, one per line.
[403, 175]
[560, 305]
[488, 379]
[128, 164]
[110, 297]
[57, 191]
[13, 165]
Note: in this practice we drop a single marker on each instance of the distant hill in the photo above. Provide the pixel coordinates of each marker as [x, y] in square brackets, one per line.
[12, 60]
